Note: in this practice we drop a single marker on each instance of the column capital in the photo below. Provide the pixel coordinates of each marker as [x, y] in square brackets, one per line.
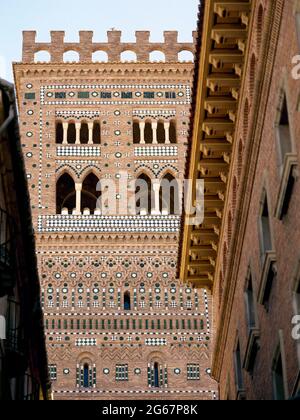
[78, 186]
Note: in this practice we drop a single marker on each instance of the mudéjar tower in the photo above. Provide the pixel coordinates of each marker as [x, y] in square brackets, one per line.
[119, 323]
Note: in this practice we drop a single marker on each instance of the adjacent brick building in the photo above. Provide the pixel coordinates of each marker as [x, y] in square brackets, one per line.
[119, 323]
[23, 360]
[246, 144]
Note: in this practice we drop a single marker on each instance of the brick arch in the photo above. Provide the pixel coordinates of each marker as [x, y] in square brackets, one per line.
[66, 170]
[88, 170]
[85, 357]
[168, 171]
[145, 171]
[156, 356]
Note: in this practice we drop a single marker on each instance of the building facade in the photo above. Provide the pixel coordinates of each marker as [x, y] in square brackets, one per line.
[255, 272]
[23, 360]
[119, 323]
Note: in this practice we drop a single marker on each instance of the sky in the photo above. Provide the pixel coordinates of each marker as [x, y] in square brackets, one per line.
[96, 15]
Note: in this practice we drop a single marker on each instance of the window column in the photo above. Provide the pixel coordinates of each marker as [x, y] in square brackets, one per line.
[65, 130]
[156, 188]
[78, 128]
[142, 132]
[167, 131]
[91, 128]
[78, 188]
[154, 130]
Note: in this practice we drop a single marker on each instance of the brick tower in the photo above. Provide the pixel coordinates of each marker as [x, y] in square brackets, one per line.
[119, 324]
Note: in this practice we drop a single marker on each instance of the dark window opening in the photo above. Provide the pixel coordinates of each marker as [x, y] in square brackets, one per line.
[65, 194]
[238, 369]
[136, 132]
[84, 133]
[161, 134]
[173, 132]
[266, 228]
[284, 132]
[144, 194]
[156, 375]
[278, 380]
[97, 133]
[59, 133]
[72, 133]
[148, 133]
[251, 315]
[169, 195]
[269, 285]
[90, 195]
[86, 376]
[288, 194]
[127, 302]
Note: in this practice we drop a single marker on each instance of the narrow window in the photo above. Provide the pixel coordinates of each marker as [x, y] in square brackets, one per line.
[59, 133]
[173, 132]
[136, 132]
[278, 379]
[250, 305]
[84, 133]
[127, 302]
[284, 133]
[266, 240]
[86, 374]
[238, 369]
[71, 133]
[97, 133]
[156, 375]
[161, 136]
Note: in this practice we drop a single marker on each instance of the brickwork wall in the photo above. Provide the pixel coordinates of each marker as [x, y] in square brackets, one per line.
[255, 168]
[88, 263]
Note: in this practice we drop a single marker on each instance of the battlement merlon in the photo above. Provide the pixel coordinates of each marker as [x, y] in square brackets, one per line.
[114, 47]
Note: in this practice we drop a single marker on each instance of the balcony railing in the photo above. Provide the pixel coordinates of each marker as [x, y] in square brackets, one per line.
[7, 247]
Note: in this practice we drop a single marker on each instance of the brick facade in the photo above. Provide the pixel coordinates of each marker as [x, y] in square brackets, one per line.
[119, 323]
[257, 278]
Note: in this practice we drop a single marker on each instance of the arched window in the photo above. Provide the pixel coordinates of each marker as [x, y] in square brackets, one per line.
[84, 133]
[136, 132]
[161, 134]
[127, 301]
[71, 133]
[173, 132]
[144, 195]
[59, 133]
[186, 56]
[97, 133]
[90, 195]
[157, 56]
[42, 57]
[65, 194]
[86, 376]
[128, 56]
[71, 56]
[169, 195]
[148, 133]
[156, 375]
[100, 57]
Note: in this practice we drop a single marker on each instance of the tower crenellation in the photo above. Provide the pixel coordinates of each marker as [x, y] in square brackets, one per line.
[114, 46]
